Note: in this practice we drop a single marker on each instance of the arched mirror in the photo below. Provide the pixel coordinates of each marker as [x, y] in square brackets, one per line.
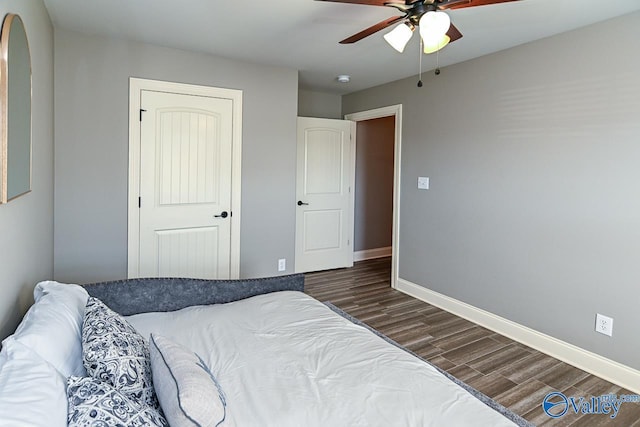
[15, 101]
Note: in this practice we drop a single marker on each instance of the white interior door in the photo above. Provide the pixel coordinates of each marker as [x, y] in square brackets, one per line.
[324, 190]
[185, 185]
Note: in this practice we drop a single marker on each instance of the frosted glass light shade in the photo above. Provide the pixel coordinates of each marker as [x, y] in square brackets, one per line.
[433, 25]
[399, 36]
[433, 30]
[435, 45]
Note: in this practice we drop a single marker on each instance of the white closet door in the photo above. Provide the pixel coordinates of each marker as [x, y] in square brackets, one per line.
[185, 185]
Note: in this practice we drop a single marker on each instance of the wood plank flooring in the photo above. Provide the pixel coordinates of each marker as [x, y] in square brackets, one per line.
[513, 374]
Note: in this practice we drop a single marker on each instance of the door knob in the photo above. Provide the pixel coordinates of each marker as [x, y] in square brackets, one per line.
[300, 203]
[224, 214]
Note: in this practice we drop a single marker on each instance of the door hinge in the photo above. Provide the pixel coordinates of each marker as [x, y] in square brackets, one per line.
[139, 202]
[141, 111]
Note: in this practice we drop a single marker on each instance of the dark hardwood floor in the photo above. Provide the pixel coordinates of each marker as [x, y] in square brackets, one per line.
[511, 373]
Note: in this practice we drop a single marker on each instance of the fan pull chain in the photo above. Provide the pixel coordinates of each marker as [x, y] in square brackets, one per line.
[420, 61]
[437, 71]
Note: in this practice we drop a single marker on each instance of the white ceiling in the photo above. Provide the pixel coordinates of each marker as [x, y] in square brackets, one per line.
[304, 34]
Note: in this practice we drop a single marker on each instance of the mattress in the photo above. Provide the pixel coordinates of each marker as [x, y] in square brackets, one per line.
[285, 359]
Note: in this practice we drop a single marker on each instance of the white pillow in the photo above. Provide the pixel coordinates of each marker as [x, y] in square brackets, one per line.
[53, 326]
[32, 392]
[189, 394]
[72, 295]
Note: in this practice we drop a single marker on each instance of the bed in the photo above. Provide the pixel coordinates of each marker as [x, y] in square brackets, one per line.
[266, 354]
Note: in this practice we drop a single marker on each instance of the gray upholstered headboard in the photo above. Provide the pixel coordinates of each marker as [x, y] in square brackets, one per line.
[133, 296]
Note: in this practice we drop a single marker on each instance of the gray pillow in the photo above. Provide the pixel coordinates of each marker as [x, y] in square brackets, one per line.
[114, 352]
[188, 392]
[96, 403]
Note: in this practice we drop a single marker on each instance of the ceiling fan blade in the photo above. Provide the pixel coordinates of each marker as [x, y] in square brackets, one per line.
[372, 29]
[365, 2]
[403, 7]
[447, 4]
[453, 33]
[460, 4]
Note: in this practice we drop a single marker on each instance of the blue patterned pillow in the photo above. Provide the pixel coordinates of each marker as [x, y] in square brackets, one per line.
[114, 352]
[95, 403]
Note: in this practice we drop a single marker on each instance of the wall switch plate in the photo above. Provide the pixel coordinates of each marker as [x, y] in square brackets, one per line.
[604, 324]
[423, 182]
[282, 264]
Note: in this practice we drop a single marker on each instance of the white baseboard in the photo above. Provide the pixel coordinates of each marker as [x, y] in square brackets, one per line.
[595, 364]
[371, 254]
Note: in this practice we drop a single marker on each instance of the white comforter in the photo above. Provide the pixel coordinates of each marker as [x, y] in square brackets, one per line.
[285, 359]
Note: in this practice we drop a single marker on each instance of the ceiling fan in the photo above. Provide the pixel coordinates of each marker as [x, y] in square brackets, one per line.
[436, 29]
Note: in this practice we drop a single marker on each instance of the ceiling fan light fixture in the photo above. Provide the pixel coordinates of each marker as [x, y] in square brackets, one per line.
[434, 26]
[400, 36]
[436, 45]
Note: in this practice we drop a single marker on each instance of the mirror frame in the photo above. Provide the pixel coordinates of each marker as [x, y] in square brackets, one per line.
[7, 25]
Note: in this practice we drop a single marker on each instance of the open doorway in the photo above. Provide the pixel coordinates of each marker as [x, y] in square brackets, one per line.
[373, 207]
[378, 135]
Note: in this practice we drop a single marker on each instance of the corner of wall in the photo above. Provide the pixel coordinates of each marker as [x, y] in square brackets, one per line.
[26, 223]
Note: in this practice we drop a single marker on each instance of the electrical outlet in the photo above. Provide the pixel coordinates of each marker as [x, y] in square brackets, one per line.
[604, 324]
[282, 264]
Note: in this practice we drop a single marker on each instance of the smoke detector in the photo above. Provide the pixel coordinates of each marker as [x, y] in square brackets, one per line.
[344, 78]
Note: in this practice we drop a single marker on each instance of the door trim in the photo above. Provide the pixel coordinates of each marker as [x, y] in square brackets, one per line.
[395, 111]
[136, 85]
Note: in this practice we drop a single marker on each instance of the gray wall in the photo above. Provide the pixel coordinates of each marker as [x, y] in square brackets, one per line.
[373, 226]
[319, 104]
[91, 142]
[534, 208]
[26, 223]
